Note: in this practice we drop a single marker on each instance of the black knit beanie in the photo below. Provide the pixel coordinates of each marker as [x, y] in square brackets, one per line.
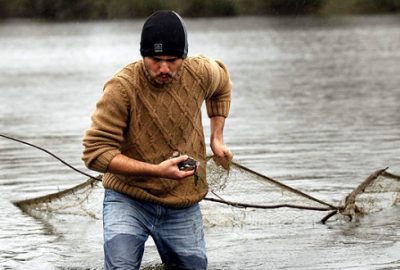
[164, 33]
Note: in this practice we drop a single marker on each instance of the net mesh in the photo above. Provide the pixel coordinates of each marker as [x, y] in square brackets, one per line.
[379, 191]
[237, 197]
[249, 194]
[82, 200]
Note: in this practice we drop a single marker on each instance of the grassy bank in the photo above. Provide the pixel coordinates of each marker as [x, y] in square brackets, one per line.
[127, 9]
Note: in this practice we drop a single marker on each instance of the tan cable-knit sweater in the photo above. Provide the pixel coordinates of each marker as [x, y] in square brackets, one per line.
[148, 123]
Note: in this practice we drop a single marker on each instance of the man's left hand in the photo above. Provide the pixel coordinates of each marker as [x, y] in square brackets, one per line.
[222, 155]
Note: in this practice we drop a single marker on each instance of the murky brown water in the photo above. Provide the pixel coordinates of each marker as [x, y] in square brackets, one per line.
[316, 104]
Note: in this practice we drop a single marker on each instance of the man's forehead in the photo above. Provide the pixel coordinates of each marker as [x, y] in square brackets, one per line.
[164, 57]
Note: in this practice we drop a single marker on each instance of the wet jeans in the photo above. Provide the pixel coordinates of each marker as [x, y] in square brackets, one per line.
[177, 233]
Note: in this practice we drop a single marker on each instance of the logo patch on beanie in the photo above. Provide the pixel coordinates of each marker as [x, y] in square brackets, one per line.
[158, 48]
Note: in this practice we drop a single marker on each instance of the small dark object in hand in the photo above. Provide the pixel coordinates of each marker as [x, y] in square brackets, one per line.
[187, 165]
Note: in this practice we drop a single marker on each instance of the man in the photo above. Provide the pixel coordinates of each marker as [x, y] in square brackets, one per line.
[150, 111]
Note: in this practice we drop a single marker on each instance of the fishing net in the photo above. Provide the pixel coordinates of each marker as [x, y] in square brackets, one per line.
[249, 198]
[226, 205]
[267, 200]
[379, 191]
[84, 199]
[238, 196]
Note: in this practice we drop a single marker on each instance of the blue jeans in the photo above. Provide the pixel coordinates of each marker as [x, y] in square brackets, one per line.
[128, 222]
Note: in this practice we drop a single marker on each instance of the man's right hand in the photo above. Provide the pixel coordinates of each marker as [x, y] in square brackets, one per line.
[122, 164]
[169, 169]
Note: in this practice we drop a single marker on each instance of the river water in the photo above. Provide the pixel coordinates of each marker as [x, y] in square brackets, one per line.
[315, 104]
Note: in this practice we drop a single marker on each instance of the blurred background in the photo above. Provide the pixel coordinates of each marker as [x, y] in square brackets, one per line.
[126, 9]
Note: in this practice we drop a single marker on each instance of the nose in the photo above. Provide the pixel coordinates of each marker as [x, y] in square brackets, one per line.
[164, 68]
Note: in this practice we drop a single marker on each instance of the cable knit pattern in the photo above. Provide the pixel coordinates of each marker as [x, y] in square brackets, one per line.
[148, 123]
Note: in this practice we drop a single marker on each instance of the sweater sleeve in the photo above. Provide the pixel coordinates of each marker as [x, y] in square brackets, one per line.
[102, 141]
[219, 96]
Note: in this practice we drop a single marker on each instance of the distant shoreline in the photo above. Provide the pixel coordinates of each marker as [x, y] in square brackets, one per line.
[84, 10]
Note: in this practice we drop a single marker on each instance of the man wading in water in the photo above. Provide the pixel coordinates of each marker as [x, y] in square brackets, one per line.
[150, 110]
